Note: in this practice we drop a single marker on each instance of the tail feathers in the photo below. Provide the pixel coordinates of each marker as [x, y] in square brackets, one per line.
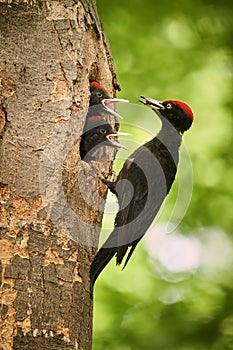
[104, 255]
[121, 252]
[102, 258]
[129, 255]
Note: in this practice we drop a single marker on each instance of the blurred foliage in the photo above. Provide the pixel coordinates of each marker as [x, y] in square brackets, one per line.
[176, 50]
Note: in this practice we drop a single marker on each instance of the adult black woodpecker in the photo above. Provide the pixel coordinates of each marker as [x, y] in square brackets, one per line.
[144, 182]
[97, 133]
[101, 105]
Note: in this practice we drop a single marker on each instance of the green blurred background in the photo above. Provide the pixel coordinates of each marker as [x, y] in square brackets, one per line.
[177, 291]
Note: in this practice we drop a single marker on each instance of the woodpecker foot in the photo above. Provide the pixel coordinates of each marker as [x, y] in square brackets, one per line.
[113, 176]
[111, 185]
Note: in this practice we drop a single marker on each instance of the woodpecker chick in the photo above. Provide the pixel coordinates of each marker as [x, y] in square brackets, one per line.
[103, 103]
[99, 108]
[98, 133]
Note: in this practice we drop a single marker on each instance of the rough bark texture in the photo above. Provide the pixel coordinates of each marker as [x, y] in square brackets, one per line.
[50, 200]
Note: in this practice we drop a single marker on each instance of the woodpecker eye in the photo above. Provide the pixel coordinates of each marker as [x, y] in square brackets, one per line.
[169, 105]
[103, 131]
[99, 94]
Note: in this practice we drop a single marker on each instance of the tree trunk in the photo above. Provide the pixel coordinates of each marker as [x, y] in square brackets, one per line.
[51, 202]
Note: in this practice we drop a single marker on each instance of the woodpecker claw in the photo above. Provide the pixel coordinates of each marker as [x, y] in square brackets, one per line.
[110, 110]
[113, 176]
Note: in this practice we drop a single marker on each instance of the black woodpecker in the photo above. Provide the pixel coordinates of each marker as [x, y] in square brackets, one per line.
[143, 183]
[101, 105]
[98, 133]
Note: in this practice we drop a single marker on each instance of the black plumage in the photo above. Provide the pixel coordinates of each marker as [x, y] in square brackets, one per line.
[143, 183]
[97, 133]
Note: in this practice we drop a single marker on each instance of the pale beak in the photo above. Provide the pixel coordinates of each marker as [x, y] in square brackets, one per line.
[107, 101]
[154, 104]
[115, 143]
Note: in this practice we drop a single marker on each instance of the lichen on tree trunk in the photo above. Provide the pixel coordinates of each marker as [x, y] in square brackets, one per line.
[51, 202]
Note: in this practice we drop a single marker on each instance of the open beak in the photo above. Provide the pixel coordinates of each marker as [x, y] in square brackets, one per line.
[107, 101]
[154, 104]
[111, 138]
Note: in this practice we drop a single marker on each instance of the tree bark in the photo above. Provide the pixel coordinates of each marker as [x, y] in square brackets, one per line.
[51, 202]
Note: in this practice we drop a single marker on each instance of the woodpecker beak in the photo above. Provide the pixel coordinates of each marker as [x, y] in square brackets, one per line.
[110, 101]
[154, 104]
[111, 137]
